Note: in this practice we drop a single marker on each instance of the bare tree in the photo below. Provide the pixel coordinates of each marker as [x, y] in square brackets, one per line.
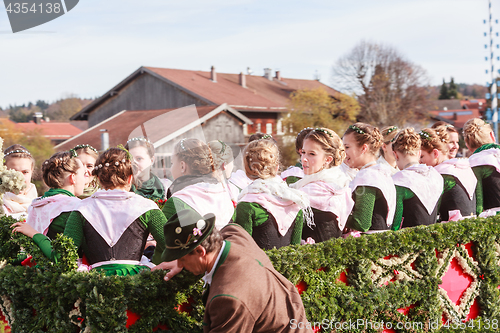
[389, 88]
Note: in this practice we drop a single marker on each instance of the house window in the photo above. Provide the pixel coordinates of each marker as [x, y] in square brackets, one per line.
[279, 127]
[269, 128]
[258, 128]
[245, 129]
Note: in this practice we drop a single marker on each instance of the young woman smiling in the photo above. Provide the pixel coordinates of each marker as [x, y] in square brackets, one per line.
[373, 191]
[459, 180]
[453, 141]
[325, 184]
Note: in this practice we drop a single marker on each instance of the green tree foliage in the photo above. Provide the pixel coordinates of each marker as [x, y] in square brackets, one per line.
[21, 113]
[42, 104]
[443, 93]
[452, 89]
[316, 108]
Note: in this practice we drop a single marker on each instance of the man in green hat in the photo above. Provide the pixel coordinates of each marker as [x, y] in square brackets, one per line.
[244, 291]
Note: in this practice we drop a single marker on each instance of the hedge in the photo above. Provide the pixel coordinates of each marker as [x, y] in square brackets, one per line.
[347, 285]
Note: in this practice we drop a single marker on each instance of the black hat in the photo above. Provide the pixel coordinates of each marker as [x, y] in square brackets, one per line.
[184, 231]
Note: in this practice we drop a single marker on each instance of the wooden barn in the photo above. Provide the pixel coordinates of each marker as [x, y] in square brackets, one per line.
[164, 128]
[262, 99]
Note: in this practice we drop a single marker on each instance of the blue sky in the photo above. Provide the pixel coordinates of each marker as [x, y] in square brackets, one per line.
[97, 44]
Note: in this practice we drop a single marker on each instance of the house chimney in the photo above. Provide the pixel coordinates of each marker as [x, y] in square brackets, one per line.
[37, 117]
[268, 73]
[213, 74]
[278, 75]
[104, 139]
[243, 80]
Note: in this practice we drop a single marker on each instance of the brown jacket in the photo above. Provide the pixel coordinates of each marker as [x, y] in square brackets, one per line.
[247, 294]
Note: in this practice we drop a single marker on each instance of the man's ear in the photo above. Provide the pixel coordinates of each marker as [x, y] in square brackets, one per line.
[201, 251]
[130, 179]
[492, 137]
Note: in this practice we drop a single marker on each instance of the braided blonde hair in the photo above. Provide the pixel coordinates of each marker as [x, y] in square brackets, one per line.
[196, 154]
[57, 168]
[366, 134]
[261, 158]
[436, 138]
[407, 142]
[477, 133]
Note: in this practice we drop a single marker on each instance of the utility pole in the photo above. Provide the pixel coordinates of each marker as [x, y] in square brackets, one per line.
[492, 114]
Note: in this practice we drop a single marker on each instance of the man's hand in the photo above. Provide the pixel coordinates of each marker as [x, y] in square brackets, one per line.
[172, 266]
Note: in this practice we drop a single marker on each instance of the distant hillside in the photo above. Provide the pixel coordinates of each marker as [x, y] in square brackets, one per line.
[60, 110]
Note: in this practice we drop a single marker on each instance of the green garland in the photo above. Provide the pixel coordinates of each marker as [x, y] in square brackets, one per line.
[54, 290]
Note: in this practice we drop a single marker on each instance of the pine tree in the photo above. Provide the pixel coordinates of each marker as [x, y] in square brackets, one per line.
[443, 93]
[452, 89]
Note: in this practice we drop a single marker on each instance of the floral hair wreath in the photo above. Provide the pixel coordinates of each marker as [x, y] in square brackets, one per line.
[223, 149]
[390, 130]
[305, 129]
[182, 144]
[140, 138]
[17, 151]
[117, 163]
[360, 131]
[85, 146]
[73, 153]
[357, 129]
[425, 135]
[129, 155]
[323, 131]
[266, 136]
[439, 133]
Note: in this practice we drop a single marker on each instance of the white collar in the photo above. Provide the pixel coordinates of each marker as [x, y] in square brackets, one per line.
[333, 175]
[208, 276]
